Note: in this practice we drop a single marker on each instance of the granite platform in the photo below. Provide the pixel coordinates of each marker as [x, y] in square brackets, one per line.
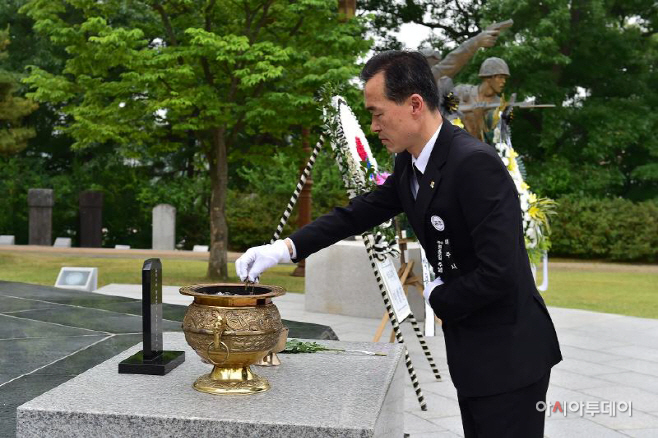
[607, 357]
[322, 394]
[50, 335]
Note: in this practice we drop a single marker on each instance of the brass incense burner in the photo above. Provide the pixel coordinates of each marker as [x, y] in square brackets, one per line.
[233, 326]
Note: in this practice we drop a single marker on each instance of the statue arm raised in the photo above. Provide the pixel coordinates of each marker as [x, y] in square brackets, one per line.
[458, 58]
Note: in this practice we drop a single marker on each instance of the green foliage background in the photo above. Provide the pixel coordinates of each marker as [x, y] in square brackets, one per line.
[13, 135]
[612, 229]
[596, 153]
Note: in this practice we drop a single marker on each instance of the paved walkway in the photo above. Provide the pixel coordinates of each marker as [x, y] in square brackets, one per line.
[609, 360]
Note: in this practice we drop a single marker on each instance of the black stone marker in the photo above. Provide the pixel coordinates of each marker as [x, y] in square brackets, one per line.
[152, 359]
[41, 203]
[91, 219]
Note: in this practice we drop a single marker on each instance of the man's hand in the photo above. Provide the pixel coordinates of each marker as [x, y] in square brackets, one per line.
[260, 258]
[430, 287]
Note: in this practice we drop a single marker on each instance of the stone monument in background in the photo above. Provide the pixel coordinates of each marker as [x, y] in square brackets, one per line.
[164, 227]
[62, 242]
[40, 202]
[91, 219]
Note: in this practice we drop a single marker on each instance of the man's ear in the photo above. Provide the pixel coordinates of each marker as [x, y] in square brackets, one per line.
[417, 104]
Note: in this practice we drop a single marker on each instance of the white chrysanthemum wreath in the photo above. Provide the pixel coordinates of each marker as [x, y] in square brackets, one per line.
[357, 165]
[535, 210]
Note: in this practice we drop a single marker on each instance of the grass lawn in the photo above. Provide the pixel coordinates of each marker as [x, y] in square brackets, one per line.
[626, 293]
[43, 269]
[609, 288]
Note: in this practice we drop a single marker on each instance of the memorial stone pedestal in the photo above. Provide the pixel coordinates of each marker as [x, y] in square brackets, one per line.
[41, 203]
[7, 240]
[62, 242]
[312, 395]
[164, 227]
[339, 280]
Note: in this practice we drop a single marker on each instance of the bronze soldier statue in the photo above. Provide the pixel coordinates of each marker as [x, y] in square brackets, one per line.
[478, 102]
[494, 75]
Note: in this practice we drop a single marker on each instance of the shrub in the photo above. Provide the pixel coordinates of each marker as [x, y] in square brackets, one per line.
[610, 229]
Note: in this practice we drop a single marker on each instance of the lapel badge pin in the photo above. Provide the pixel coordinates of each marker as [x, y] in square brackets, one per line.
[432, 184]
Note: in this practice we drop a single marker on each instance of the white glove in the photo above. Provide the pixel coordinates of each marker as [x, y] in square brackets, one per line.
[260, 258]
[430, 287]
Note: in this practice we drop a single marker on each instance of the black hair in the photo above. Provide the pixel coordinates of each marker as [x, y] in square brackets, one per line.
[405, 73]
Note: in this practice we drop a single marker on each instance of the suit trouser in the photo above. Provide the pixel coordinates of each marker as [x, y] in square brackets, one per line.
[507, 415]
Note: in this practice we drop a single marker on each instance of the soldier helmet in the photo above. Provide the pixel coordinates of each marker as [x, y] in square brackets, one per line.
[493, 66]
[432, 56]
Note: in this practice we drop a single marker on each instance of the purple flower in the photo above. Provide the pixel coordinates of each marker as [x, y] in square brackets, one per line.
[380, 177]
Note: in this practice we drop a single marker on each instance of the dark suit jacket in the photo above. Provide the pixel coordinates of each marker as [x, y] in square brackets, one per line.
[467, 216]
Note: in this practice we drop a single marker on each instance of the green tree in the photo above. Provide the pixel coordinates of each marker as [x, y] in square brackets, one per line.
[13, 135]
[155, 76]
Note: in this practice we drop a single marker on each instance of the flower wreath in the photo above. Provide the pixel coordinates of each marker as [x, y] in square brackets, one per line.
[357, 144]
[535, 210]
[354, 152]
[356, 163]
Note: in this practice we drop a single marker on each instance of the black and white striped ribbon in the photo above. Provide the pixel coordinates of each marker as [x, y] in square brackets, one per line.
[394, 322]
[300, 185]
[428, 276]
[383, 248]
[423, 344]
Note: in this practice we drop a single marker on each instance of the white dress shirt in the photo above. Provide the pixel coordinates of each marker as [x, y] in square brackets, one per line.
[423, 159]
[421, 164]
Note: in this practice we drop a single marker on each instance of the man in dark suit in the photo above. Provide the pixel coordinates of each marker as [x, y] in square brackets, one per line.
[464, 208]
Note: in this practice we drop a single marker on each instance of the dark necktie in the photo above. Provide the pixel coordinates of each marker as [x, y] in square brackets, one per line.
[418, 173]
